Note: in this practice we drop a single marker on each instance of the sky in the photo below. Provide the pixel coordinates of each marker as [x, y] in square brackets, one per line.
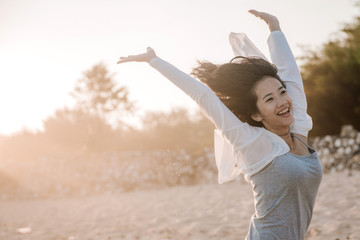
[45, 46]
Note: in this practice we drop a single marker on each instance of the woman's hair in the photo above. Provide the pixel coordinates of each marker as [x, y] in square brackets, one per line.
[234, 83]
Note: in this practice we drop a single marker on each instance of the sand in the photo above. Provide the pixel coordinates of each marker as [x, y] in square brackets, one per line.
[198, 212]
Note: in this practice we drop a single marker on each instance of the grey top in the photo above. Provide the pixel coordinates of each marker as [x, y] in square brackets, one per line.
[284, 194]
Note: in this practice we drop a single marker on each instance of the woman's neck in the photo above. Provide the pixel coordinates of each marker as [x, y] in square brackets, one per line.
[285, 134]
[288, 139]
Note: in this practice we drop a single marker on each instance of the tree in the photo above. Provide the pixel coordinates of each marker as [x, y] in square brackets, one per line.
[96, 93]
[332, 82]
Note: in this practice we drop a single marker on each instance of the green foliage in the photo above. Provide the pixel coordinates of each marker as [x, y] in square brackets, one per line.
[332, 82]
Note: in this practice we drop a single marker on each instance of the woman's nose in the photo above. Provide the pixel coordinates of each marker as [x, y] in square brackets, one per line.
[281, 102]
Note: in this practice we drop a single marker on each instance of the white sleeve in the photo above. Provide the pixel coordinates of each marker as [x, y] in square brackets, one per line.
[249, 144]
[242, 46]
[288, 71]
[209, 103]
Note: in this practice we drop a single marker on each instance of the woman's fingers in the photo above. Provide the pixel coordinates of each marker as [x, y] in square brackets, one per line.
[254, 12]
[125, 59]
[150, 53]
[271, 20]
[133, 58]
[143, 57]
[262, 15]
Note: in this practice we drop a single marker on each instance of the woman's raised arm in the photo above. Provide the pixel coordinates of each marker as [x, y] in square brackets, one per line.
[288, 70]
[210, 104]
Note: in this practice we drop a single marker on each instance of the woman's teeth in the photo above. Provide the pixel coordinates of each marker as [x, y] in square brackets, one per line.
[284, 111]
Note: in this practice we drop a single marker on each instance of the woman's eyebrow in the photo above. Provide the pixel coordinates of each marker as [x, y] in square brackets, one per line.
[271, 93]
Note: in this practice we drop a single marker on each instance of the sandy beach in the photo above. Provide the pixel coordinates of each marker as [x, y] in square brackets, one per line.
[185, 212]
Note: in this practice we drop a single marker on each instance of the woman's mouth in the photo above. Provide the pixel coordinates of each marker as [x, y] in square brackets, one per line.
[285, 112]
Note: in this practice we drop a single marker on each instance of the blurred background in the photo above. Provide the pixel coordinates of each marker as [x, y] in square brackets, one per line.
[74, 122]
[94, 150]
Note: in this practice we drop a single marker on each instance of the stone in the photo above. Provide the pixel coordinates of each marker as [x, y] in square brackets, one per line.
[337, 143]
[24, 230]
[348, 150]
[348, 131]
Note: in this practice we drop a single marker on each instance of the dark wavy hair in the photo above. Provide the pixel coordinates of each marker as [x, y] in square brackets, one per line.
[234, 83]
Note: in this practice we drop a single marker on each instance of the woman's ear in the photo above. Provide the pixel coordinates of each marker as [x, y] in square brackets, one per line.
[256, 117]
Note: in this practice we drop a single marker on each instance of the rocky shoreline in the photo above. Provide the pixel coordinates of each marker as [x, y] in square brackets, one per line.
[339, 153]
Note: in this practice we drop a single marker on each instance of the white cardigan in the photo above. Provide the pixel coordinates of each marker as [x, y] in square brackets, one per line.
[239, 147]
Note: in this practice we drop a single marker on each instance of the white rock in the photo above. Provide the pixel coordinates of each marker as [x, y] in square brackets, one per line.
[325, 160]
[328, 138]
[356, 147]
[340, 151]
[347, 150]
[326, 151]
[347, 131]
[337, 142]
[316, 141]
[24, 230]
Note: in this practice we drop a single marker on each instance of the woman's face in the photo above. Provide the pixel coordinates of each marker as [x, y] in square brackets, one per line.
[274, 104]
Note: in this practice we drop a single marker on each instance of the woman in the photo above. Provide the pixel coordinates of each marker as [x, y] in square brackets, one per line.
[263, 123]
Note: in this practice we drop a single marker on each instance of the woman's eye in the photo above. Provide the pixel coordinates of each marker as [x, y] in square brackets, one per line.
[269, 99]
[283, 92]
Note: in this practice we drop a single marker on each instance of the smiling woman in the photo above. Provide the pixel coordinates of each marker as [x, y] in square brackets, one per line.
[283, 170]
[274, 104]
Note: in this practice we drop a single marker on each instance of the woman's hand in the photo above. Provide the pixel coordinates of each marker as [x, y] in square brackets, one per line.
[144, 57]
[271, 20]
